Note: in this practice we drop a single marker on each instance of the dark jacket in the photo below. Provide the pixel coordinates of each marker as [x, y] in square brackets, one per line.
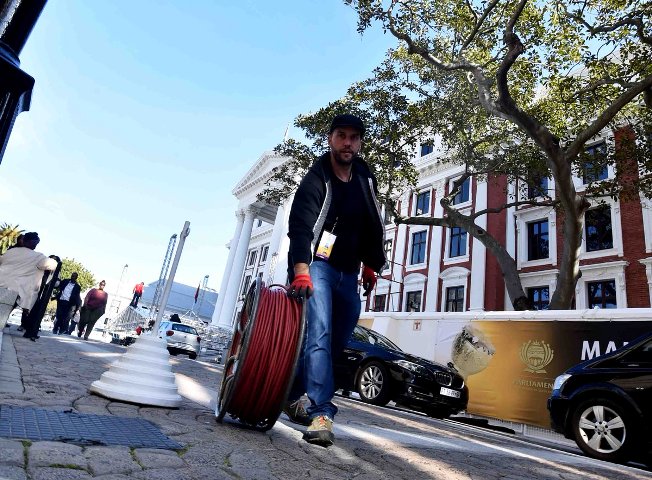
[75, 295]
[310, 208]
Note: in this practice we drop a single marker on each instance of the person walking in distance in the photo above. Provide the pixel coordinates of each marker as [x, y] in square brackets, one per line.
[334, 225]
[74, 321]
[69, 300]
[138, 292]
[93, 308]
[21, 271]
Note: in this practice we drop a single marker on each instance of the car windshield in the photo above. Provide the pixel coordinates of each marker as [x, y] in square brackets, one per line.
[642, 354]
[369, 336]
[184, 328]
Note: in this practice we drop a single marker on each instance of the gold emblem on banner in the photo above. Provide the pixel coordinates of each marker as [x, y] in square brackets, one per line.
[536, 355]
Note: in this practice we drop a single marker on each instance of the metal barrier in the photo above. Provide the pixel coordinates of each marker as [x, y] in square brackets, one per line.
[124, 325]
[214, 340]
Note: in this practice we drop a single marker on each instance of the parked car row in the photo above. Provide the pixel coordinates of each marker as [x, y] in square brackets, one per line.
[604, 404]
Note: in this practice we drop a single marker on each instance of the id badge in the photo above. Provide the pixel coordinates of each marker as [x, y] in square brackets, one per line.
[325, 245]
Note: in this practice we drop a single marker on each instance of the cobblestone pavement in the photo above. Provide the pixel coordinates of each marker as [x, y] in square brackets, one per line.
[56, 371]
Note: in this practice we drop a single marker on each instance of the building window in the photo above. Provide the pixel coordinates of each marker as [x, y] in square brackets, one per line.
[388, 248]
[598, 229]
[463, 193]
[539, 297]
[455, 299]
[259, 223]
[423, 203]
[413, 303]
[457, 242]
[426, 148]
[602, 294]
[418, 248]
[252, 258]
[245, 285]
[388, 253]
[379, 303]
[537, 240]
[537, 188]
[263, 256]
[595, 167]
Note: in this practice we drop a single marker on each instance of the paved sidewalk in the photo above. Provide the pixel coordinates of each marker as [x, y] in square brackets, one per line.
[55, 372]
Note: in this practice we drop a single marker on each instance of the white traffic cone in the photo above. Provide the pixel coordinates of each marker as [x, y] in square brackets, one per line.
[142, 375]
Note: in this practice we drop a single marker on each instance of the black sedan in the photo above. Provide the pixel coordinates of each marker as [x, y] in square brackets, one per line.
[605, 404]
[379, 372]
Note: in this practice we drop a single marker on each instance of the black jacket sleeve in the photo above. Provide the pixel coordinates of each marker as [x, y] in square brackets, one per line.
[305, 209]
[76, 296]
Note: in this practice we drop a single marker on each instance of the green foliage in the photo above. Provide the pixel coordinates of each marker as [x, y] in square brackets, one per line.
[551, 73]
[506, 87]
[521, 88]
[8, 236]
[85, 278]
[392, 130]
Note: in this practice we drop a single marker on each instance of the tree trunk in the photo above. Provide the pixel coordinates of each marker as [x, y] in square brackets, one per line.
[569, 271]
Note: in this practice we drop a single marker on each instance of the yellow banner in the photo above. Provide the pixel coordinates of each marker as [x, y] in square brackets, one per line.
[510, 366]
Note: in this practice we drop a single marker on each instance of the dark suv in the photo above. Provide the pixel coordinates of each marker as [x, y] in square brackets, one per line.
[605, 404]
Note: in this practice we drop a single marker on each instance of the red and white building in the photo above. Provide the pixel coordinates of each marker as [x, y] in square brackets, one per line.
[435, 269]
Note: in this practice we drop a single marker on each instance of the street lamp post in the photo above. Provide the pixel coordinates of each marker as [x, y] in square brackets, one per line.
[17, 18]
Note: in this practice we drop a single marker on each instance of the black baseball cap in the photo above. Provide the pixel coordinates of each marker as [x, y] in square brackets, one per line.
[347, 120]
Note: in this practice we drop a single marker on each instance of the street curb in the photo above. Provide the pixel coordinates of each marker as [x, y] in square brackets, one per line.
[10, 376]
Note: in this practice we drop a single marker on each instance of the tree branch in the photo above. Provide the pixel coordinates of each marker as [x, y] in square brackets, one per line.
[478, 23]
[606, 116]
[631, 20]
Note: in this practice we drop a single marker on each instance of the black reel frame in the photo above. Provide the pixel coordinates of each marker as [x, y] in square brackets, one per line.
[238, 353]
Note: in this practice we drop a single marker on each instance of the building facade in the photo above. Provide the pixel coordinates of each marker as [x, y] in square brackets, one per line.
[436, 269]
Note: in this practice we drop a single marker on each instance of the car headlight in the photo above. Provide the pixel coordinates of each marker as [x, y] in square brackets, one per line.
[559, 381]
[411, 366]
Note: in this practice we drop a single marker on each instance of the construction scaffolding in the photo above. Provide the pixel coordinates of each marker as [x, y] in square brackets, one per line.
[200, 300]
[161, 279]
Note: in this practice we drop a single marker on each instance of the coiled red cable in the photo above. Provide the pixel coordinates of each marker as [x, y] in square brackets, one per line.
[265, 371]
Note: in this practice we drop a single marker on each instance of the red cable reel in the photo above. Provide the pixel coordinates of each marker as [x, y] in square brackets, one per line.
[265, 346]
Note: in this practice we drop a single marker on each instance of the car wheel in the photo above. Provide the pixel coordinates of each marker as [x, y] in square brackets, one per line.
[373, 384]
[603, 429]
[192, 356]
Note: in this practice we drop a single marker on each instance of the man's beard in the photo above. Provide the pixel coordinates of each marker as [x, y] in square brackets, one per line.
[340, 160]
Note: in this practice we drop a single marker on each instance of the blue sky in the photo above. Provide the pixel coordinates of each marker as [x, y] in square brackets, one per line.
[147, 113]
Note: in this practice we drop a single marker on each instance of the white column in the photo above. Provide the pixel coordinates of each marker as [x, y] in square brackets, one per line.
[274, 242]
[479, 257]
[235, 240]
[435, 251]
[281, 259]
[231, 295]
[648, 272]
